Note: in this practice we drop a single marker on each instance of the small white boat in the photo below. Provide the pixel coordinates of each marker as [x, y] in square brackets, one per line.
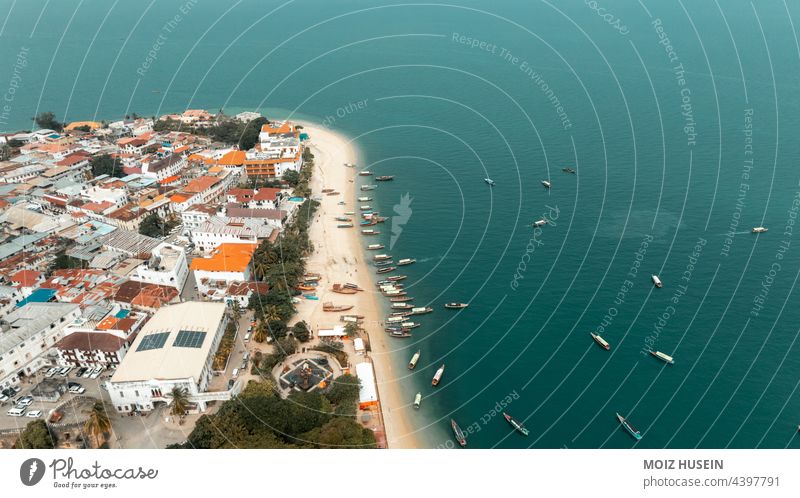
[364, 199]
[663, 357]
[759, 230]
[539, 223]
[364, 173]
[375, 247]
[414, 359]
[602, 342]
[546, 183]
[657, 281]
[489, 181]
[365, 208]
[417, 400]
[406, 261]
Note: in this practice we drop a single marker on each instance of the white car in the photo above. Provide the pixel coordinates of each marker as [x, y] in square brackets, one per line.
[51, 372]
[64, 371]
[96, 373]
[34, 414]
[3, 398]
[87, 373]
[24, 401]
[77, 390]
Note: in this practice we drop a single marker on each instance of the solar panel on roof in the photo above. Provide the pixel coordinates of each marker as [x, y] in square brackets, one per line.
[189, 339]
[153, 341]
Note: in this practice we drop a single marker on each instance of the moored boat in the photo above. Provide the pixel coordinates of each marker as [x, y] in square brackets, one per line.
[381, 264]
[375, 247]
[437, 377]
[657, 281]
[412, 364]
[343, 218]
[365, 208]
[401, 299]
[456, 306]
[401, 306]
[335, 307]
[568, 170]
[384, 178]
[396, 278]
[369, 231]
[410, 325]
[516, 424]
[364, 188]
[344, 225]
[342, 289]
[539, 223]
[364, 199]
[669, 360]
[381, 257]
[365, 173]
[306, 287]
[402, 334]
[602, 342]
[386, 269]
[628, 427]
[421, 310]
[462, 440]
[759, 230]
[417, 400]
[546, 183]
[406, 261]
[489, 181]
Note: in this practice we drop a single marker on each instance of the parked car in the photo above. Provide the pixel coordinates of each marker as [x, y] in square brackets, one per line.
[230, 384]
[3, 398]
[79, 389]
[51, 372]
[9, 392]
[244, 364]
[235, 373]
[64, 371]
[34, 414]
[96, 373]
[16, 412]
[247, 337]
[80, 371]
[25, 401]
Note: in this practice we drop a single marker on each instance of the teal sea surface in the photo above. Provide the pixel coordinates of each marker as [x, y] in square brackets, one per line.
[680, 119]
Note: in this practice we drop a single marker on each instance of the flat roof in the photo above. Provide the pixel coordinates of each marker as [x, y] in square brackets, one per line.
[157, 354]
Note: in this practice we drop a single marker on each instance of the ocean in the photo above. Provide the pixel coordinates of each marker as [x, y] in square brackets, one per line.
[680, 120]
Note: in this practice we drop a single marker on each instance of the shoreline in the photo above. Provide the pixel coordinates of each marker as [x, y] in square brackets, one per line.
[339, 256]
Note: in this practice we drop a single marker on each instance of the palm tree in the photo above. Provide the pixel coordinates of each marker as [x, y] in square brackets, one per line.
[236, 310]
[98, 424]
[260, 334]
[272, 313]
[180, 401]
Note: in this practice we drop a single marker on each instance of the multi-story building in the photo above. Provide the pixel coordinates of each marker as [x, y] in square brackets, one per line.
[166, 266]
[27, 333]
[220, 230]
[227, 264]
[174, 349]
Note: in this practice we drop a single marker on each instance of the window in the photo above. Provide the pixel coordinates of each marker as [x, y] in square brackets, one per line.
[122, 394]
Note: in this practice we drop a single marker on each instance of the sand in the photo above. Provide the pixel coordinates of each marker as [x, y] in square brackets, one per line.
[339, 256]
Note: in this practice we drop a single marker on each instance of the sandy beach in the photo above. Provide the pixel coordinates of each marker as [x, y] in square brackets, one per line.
[339, 257]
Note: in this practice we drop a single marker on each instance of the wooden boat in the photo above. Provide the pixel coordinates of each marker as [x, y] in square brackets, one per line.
[381, 264]
[417, 400]
[327, 190]
[546, 183]
[343, 218]
[386, 269]
[516, 424]
[351, 317]
[401, 299]
[312, 297]
[365, 208]
[380, 219]
[462, 440]
[401, 306]
[663, 357]
[332, 193]
[306, 287]
[410, 325]
[657, 281]
[568, 170]
[414, 359]
[421, 310]
[364, 188]
[406, 261]
[437, 377]
[344, 225]
[335, 307]
[455, 306]
[365, 173]
[395, 293]
[370, 232]
[341, 289]
[368, 223]
[384, 178]
[375, 247]
[364, 199]
[602, 342]
[402, 334]
[381, 257]
[312, 277]
[396, 278]
[353, 286]
[628, 427]
[350, 213]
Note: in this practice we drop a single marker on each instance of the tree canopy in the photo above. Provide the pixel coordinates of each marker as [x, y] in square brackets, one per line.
[104, 164]
[36, 436]
[47, 120]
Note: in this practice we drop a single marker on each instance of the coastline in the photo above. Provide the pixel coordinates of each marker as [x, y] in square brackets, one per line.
[339, 255]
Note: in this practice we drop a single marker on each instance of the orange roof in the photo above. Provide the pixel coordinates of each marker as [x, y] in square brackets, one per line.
[26, 278]
[196, 157]
[91, 124]
[284, 127]
[179, 198]
[180, 149]
[107, 323]
[232, 158]
[170, 179]
[227, 257]
[200, 184]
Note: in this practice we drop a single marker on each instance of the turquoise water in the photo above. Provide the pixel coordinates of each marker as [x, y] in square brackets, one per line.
[661, 153]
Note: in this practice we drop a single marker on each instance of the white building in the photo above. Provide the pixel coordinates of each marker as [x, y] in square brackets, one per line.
[167, 266]
[227, 264]
[164, 168]
[174, 349]
[98, 194]
[195, 216]
[27, 334]
[220, 230]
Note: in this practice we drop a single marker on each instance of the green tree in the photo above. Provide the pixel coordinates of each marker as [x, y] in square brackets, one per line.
[36, 436]
[344, 390]
[261, 332]
[104, 164]
[97, 424]
[180, 401]
[342, 432]
[301, 332]
[154, 226]
[292, 178]
[47, 120]
[250, 134]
